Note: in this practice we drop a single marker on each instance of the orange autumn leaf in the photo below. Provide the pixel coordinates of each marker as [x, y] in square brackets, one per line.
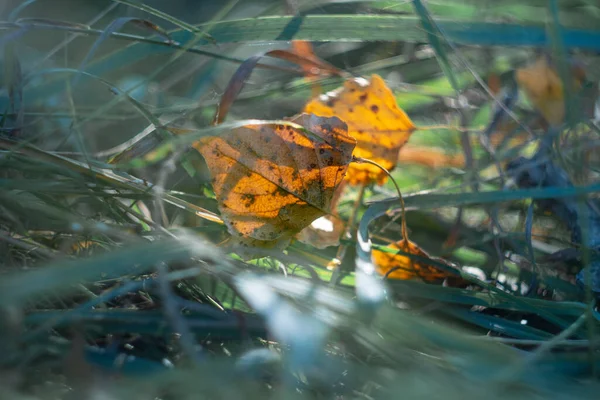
[430, 156]
[85, 247]
[271, 181]
[374, 119]
[398, 266]
[544, 88]
[305, 49]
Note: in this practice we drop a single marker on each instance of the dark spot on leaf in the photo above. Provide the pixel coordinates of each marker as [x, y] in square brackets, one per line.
[280, 192]
[313, 166]
[375, 108]
[363, 98]
[330, 102]
[321, 151]
[249, 198]
[330, 161]
[350, 109]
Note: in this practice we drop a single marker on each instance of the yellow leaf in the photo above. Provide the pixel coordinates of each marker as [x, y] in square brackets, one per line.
[271, 181]
[374, 119]
[544, 88]
[399, 266]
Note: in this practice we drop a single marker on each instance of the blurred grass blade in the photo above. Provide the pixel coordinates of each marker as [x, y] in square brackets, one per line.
[13, 79]
[566, 309]
[497, 324]
[14, 14]
[166, 17]
[231, 327]
[241, 75]
[234, 87]
[137, 147]
[50, 22]
[151, 27]
[355, 28]
[360, 28]
[113, 27]
[435, 36]
[118, 179]
[136, 104]
[60, 277]
[429, 201]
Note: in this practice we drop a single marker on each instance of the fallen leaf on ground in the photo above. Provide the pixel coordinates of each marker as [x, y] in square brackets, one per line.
[86, 247]
[273, 180]
[374, 119]
[544, 88]
[399, 266]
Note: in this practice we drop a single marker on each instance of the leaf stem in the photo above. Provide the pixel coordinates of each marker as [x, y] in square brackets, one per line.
[402, 207]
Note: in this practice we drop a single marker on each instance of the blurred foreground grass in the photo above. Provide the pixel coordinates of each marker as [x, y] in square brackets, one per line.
[114, 286]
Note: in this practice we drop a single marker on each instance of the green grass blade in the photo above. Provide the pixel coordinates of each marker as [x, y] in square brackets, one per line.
[435, 36]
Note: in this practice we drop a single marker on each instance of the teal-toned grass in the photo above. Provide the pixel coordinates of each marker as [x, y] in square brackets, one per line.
[82, 246]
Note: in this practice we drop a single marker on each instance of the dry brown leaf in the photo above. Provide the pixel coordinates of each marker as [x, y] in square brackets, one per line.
[544, 88]
[374, 119]
[271, 181]
[305, 49]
